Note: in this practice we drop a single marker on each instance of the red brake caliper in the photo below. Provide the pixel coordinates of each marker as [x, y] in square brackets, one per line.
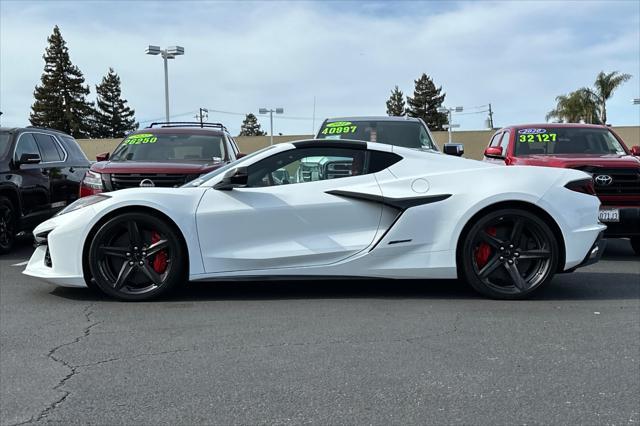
[160, 259]
[483, 251]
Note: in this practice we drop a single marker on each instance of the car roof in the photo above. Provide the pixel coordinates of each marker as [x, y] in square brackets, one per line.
[567, 125]
[374, 118]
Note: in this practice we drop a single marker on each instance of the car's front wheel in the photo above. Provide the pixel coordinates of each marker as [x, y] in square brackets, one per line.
[7, 225]
[508, 254]
[136, 256]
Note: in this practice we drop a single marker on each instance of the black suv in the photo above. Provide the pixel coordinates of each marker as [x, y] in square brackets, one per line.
[40, 173]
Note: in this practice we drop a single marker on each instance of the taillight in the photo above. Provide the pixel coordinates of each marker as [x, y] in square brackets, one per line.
[91, 184]
[583, 185]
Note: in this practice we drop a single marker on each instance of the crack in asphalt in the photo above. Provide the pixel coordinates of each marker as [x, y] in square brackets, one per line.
[86, 331]
[105, 361]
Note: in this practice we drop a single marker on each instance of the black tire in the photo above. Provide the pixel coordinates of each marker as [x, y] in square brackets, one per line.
[506, 244]
[635, 245]
[8, 221]
[123, 257]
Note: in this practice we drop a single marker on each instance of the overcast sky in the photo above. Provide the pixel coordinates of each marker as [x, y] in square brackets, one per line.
[348, 55]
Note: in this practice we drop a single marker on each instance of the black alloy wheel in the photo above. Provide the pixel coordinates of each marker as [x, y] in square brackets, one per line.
[136, 256]
[509, 253]
[7, 225]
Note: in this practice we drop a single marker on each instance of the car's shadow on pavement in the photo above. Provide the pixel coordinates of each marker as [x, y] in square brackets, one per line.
[580, 285]
[576, 286]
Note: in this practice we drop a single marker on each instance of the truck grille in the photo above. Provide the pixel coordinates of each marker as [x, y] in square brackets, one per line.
[621, 182]
[133, 180]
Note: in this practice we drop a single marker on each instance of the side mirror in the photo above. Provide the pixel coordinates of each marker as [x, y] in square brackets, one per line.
[635, 150]
[234, 178]
[493, 152]
[29, 159]
[102, 157]
[240, 155]
[456, 149]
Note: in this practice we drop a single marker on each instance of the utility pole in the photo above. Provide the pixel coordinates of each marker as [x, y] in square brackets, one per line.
[202, 116]
[490, 117]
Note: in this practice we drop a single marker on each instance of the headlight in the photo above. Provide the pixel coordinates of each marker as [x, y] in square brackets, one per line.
[92, 180]
[83, 202]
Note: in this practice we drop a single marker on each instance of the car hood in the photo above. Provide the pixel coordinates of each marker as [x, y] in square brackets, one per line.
[579, 160]
[154, 167]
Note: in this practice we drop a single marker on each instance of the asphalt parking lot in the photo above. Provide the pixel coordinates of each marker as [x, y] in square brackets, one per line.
[378, 352]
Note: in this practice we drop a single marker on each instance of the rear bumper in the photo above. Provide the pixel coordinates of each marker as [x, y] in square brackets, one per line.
[629, 225]
[595, 252]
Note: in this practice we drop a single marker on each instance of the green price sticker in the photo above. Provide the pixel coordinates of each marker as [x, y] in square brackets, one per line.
[140, 138]
[540, 137]
[339, 127]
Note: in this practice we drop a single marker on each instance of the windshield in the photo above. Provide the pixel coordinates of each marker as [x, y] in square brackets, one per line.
[566, 140]
[179, 147]
[5, 137]
[408, 134]
[202, 179]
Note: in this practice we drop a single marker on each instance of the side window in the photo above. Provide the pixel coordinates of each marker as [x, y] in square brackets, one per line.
[425, 140]
[308, 165]
[49, 148]
[234, 146]
[504, 144]
[26, 145]
[495, 140]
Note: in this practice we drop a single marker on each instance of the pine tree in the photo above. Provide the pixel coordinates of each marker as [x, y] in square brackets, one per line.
[60, 100]
[113, 117]
[425, 103]
[251, 127]
[395, 104]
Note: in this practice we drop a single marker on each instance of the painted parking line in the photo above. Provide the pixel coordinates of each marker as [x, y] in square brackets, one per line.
[21, 263]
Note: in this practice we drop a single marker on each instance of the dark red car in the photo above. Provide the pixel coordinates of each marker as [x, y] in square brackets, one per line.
[164, 155]
[597, 150]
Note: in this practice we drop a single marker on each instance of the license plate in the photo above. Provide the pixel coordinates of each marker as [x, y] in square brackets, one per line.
[610, 215]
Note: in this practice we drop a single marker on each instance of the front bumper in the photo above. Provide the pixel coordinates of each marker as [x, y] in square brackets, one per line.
[629, 224]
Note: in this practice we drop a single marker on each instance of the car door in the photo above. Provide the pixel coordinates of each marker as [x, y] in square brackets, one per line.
[33, 182]
[53, 165]
[285, 218]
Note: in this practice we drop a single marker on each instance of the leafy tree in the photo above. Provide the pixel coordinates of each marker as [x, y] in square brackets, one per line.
[60, 99]
[395, 104]
[581, 105]
[113, 118]
[251, 127]
[604, 87]
[425, 103]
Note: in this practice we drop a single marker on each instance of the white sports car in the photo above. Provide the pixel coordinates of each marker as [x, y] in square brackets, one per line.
[366, 210]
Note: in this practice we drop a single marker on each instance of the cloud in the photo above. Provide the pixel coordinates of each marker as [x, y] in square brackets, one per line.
[349, 55]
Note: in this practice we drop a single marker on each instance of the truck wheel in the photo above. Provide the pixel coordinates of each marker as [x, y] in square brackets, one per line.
[635, 244]
[7, 225]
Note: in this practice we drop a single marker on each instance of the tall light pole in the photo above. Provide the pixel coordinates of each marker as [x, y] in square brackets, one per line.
[169, 53]
[270, 112]
[449, 112]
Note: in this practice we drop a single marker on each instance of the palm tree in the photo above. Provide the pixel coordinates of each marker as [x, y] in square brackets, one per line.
[605, 85]
[577, 106]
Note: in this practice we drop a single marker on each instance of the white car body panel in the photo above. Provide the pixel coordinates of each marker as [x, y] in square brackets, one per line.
[301, 230]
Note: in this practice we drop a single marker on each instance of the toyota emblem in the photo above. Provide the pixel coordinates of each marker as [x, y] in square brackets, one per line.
[604, 180]
[147, 183]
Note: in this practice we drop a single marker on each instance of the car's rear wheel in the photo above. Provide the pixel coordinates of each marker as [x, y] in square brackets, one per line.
[7, 225]
[135, 256]
[635, 244]
[508, 254]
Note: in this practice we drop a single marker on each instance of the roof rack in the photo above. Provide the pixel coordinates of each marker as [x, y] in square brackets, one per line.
[187, 124]
[46, 128]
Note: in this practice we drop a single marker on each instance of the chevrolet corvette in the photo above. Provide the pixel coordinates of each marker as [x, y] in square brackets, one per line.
[322, 208]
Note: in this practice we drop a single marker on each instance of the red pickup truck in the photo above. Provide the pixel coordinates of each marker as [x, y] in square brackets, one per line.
[597, 150]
